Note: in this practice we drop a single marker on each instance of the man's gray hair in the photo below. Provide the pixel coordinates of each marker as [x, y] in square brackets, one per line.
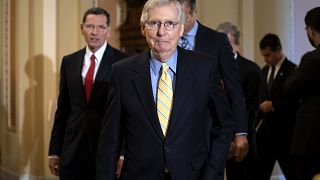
[227, 27]
[150, 4]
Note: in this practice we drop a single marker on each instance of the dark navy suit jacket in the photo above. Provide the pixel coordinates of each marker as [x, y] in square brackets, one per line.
[74, 115]
[200, 128]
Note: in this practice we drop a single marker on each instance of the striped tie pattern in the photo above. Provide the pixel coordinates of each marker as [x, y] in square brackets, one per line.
[184, 43]
[164, 98]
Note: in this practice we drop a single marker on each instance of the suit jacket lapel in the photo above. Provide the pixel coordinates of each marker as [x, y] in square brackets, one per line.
[265, 92]
[142, 83]
[183, 86]
[198, 39]
[278, 79]
[77, 66]
[104, 69]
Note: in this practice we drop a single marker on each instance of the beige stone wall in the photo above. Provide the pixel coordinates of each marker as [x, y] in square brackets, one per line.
[47, 30]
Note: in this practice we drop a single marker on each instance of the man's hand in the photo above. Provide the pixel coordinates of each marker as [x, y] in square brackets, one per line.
[119, 167]
[266, 106]
[54, 166]
[240, 147]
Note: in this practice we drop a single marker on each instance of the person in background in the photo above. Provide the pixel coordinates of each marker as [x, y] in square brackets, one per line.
[84, 78]
[200, 38]
[278, 112]
[241, 167]
[304, 84]
[162, 102]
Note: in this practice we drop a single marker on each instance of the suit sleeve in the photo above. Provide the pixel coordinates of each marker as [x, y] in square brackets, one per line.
[302, 75]
[61, 115]
[231, 79]
[251, 91]
[109, 142]
[222, 129]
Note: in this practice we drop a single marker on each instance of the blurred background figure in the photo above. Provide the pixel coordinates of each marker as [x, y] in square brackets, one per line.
[304, 84]
[277, 112]
[240, 165]
[200, 38]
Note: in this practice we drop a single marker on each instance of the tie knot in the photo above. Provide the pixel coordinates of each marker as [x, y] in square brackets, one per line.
[184, 43]
[165, 67]
[92, 58]
[273, 68]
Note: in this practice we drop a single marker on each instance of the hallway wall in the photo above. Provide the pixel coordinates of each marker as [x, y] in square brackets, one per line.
[47, 30]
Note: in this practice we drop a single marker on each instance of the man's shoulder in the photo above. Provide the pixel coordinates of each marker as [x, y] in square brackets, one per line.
[196, 58]
[289, 63]
[115, 53]
[75, 54]
[248, 63]
[208, 32]
[133, 61]
[315, 54]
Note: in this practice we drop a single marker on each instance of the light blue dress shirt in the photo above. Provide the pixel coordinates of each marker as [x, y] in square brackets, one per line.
[191, 36]
[155, 71]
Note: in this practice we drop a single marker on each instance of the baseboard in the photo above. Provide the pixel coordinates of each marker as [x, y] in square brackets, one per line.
[280, 177]
[6, 175]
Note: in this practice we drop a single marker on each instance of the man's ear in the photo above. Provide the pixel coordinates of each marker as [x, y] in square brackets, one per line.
[81, 28]
[181, 30]
[143, 32]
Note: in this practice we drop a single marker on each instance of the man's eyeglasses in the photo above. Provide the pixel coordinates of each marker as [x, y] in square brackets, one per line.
[155, 25]
[91, 27]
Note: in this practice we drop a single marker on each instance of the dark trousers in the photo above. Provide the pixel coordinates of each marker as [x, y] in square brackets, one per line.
[243, 170]
[266, 161]
[239, 170]
[306, 168]
[167, 176]
[82, 166]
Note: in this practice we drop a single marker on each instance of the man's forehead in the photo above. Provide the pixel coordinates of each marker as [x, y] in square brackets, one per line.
[168, 14]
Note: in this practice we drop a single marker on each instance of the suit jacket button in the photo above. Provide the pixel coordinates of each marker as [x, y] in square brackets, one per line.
[166, 148]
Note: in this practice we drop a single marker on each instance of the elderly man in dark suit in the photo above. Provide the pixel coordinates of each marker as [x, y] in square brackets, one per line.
[304, 84]
[202, 39]
[278, 112]
[163, 102]
[81, 103]
[241, 167]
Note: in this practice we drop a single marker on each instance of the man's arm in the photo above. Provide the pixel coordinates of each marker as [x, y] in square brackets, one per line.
[222, 130]
[231, 80]
[109, 142]
[60, 121]
[298, 79]
[250, 88]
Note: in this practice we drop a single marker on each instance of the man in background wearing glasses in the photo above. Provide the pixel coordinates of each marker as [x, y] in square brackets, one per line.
[200, 38]
[81, 102]
[162, 102]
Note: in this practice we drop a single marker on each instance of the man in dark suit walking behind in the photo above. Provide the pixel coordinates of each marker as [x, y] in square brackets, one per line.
[277, 111]
[200, 38]
[163, 102]
[304, 84]
[240, 166]
[81, 102]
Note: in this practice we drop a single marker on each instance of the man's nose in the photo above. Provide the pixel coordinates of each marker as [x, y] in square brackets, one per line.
[161, 29]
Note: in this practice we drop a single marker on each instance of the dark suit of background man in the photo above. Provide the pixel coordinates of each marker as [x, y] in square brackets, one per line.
[240, 166]
[81, 101]
[186, 148]
[277, 111]
[200, 38]
[304, 84]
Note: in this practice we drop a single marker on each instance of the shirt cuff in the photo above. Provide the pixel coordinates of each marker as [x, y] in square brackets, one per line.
[241, 134]
[121, 157]
[53, 157]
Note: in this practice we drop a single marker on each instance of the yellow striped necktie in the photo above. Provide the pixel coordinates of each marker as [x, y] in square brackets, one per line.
[164, 98]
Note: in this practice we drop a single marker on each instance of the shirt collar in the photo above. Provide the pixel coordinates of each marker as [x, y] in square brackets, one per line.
[156, 64]
[193, 30]
[99, 53]
[280, 62]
